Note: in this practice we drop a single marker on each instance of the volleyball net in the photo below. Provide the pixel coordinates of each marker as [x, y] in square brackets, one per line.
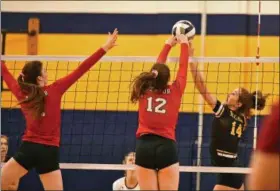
[99, 122]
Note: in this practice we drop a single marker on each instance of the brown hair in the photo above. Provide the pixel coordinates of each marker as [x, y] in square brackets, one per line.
[35, 99]
[248, 101]
[125, 159]
[157, 79]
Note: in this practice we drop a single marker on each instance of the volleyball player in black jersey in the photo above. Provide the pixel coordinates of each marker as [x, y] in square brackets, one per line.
[228, 126]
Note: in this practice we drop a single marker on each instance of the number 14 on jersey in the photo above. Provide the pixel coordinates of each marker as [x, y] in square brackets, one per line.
[235, 130]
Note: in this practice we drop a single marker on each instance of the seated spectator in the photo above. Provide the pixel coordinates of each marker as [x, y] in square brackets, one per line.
[4, 148]
[129, 181]
[5, 157]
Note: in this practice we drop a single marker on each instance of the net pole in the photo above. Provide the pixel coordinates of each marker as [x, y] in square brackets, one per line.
[257, 77]
[201, 100]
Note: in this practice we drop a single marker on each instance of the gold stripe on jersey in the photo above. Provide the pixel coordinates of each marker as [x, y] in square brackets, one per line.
[220, 111]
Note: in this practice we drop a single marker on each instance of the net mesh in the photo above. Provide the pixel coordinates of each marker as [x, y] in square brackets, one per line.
[99, 122]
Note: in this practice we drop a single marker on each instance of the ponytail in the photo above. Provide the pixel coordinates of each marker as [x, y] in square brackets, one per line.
[141, 84]
[261, 100]
[156, 80]
[248, 101]
[35, 99]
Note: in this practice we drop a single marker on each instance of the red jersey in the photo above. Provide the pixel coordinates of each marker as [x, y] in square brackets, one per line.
[158, 112]
[46, 130]
[269, 137]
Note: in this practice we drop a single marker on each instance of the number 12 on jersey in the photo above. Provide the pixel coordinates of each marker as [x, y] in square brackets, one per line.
[158, 107]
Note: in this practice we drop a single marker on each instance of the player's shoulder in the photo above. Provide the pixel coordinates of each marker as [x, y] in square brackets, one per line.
[49, 86]
[118, 183]
[120, 180]
[174, 86]
[220, 108]
[223, 110]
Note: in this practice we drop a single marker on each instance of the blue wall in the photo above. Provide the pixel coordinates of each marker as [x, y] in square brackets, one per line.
[104, 137]
[232, 24]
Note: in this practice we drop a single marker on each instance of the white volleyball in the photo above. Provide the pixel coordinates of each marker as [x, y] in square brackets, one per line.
[183, 27]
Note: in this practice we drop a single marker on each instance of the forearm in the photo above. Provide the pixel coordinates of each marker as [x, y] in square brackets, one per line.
[70, 79]
[198, 78]
[201, 86]
[181, 77]
[183, 62]
[9, 79]
[163, 54]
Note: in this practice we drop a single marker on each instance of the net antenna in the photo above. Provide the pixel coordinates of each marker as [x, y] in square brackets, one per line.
[200, 67]
[257, 74]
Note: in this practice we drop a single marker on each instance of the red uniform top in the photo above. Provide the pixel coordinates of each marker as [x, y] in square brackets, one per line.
[47, 129]
[269, 137]
[158, 112]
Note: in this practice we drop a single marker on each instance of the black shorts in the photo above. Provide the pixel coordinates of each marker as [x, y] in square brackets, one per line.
[43, 158]
[155, 152]
[228, 179]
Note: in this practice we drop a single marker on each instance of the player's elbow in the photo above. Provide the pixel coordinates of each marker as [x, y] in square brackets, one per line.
[265, 172]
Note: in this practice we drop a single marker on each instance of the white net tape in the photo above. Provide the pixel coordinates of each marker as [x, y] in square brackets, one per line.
[122, 167]
[205, 169]
[141, 59]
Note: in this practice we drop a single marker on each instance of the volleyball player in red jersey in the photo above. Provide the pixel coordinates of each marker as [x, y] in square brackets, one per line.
[266, 159]
[40, 104]
[159, 103]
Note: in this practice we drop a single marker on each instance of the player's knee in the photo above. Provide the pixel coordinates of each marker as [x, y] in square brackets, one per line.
[13, 186]
[5, 179]
[5, 183]
[8, 184]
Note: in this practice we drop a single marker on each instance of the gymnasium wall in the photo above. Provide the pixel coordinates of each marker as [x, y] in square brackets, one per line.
[104, 131]
[231, 26]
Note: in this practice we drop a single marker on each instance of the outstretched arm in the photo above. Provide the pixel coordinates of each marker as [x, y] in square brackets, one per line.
[200, 85]
[166, 49]
[10, 80]
[64, 83]
[181, 78]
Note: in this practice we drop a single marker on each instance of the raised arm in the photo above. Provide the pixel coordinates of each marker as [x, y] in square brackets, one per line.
[166, 49]
[64, 83]
[200, 85]
[181, 78]
[163, 54]
[10, 80]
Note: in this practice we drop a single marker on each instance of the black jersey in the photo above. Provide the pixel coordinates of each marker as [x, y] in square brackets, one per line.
[227, 129]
